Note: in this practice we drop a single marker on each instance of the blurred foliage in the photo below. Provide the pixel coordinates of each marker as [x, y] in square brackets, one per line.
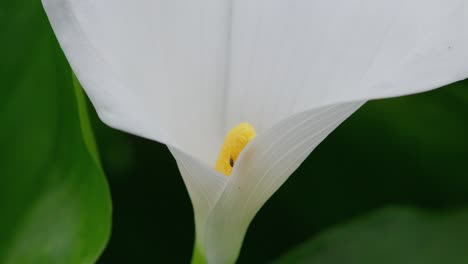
[54, 201]
[396, 235]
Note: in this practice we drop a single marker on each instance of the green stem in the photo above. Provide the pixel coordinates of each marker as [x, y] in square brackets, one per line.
[197, 256]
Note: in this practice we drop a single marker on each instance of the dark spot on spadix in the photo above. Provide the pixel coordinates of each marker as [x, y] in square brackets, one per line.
[231, 162]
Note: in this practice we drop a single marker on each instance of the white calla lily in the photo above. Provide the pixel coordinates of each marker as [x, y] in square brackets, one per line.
[185, 72]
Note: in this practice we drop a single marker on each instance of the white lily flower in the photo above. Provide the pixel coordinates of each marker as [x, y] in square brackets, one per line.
[184, 72]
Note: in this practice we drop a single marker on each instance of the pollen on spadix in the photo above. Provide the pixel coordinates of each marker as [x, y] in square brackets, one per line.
[234, 143]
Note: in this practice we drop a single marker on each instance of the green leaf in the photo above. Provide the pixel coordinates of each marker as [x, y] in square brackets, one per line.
[54, 200]
[390, 236]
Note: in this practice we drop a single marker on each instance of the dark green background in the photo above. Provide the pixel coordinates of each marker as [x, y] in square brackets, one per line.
[410, 151]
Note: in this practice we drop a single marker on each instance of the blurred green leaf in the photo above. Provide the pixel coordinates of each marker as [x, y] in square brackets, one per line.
[390, 236]
[54, 200]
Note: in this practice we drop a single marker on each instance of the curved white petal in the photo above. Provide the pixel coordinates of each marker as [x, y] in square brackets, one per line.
[154, 68]
[262, 168]
[288, 56]
[204, 185]
[295, 69]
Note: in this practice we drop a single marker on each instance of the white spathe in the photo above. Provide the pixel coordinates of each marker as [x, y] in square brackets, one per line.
[183, 72]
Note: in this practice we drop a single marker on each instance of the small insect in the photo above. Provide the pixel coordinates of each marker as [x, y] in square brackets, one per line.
[231, 162]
